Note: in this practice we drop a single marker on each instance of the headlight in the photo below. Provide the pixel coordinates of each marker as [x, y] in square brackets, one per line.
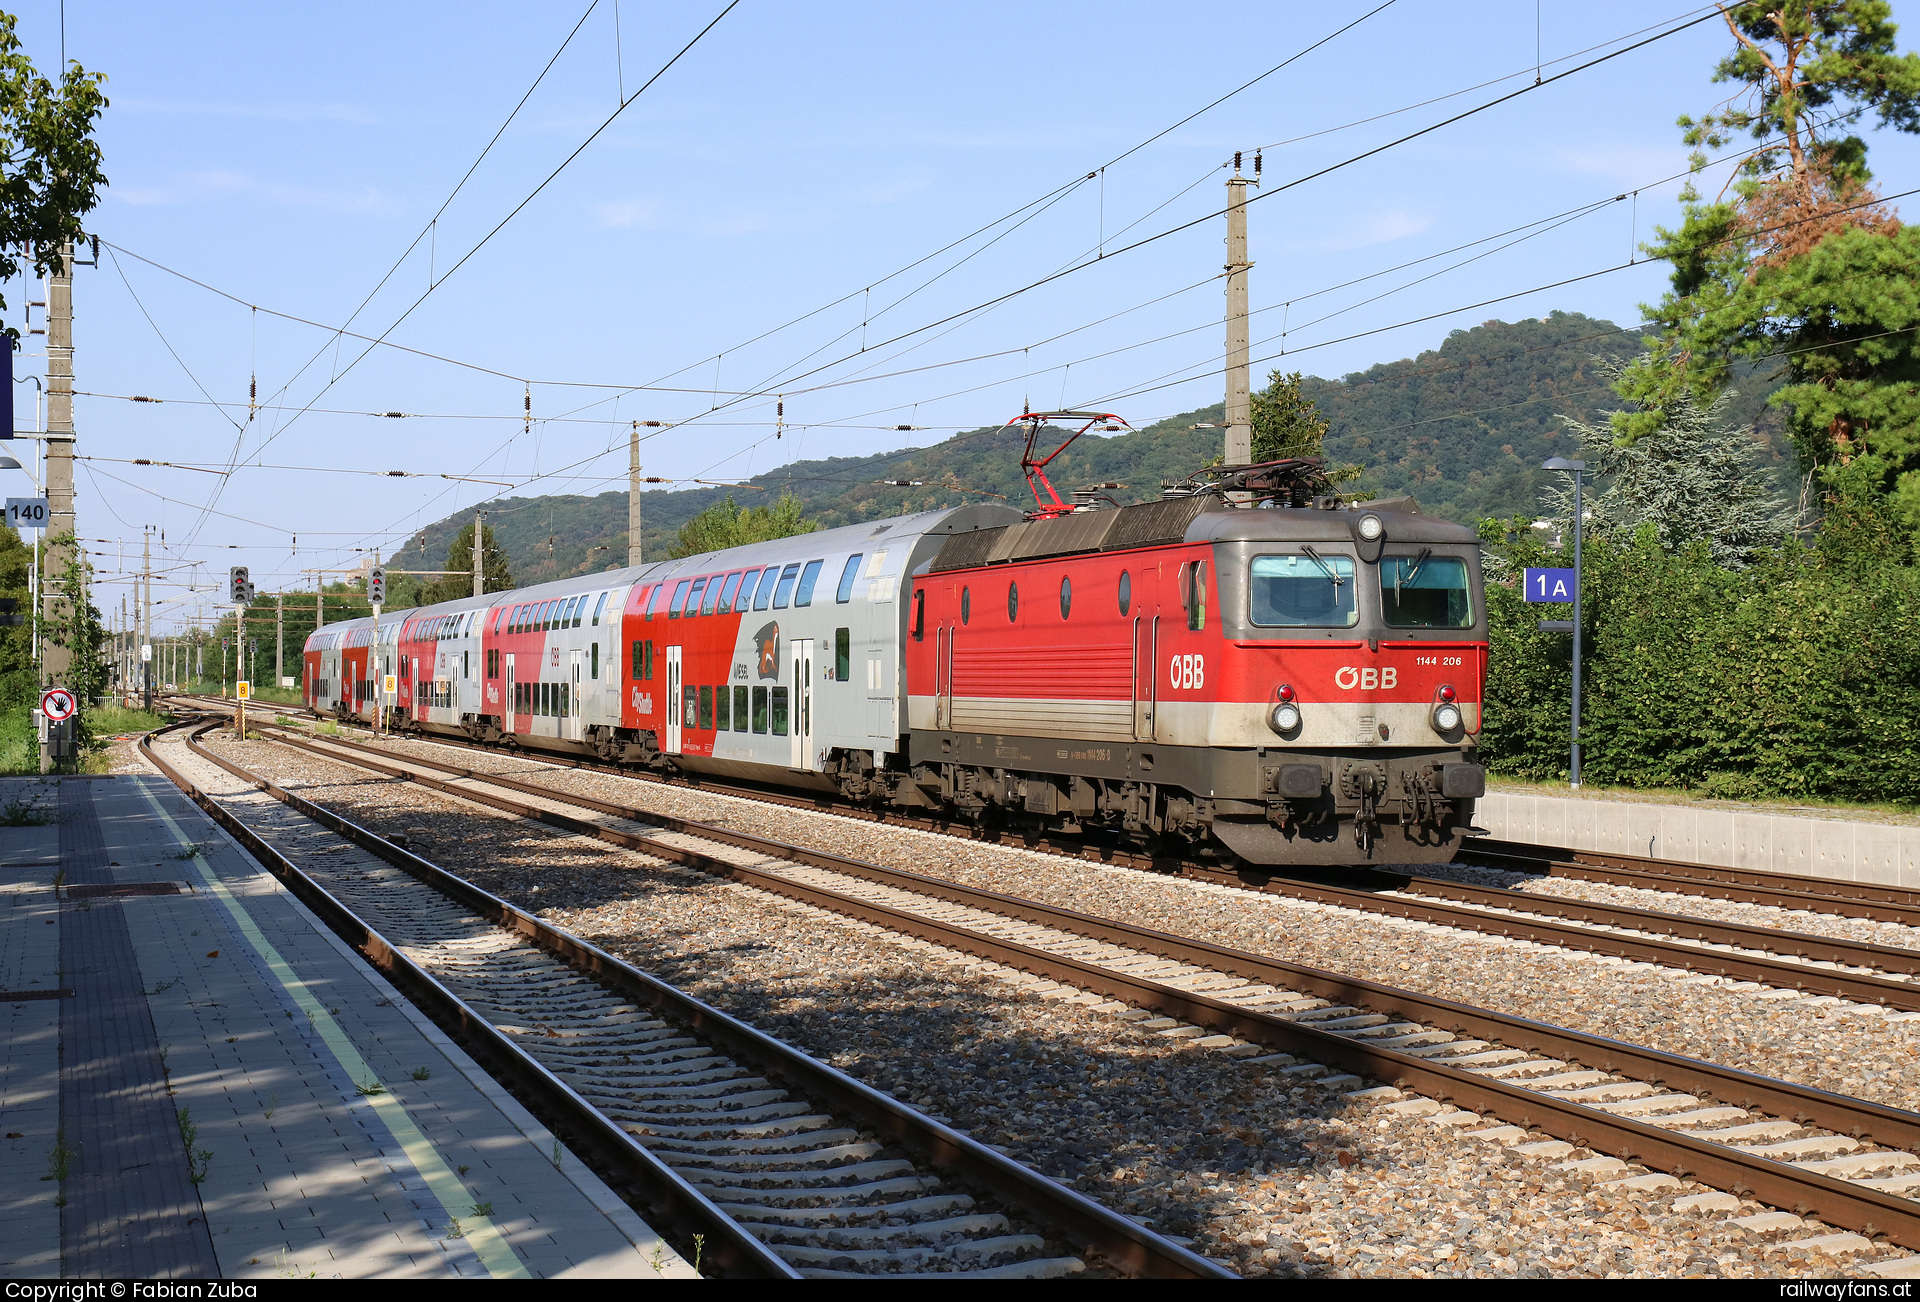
[1370, 527]
[1285, 718]
[1446, 718]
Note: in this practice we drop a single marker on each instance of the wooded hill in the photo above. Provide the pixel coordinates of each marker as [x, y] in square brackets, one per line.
[1463, 428]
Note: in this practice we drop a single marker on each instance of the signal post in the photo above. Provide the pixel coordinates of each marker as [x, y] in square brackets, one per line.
[240, 591]
[377, 597]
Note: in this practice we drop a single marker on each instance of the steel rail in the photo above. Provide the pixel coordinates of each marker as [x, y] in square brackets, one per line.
[1775, 972]
[1834, 1201]
[1122, 1242]
[667, 1196]
[1744, 885]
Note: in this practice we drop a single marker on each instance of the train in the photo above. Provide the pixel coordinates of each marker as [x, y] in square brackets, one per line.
[1250, 669]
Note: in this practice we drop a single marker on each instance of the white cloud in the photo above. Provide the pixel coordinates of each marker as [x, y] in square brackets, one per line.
[191, 187]
[1623, 164]
[1377, 228]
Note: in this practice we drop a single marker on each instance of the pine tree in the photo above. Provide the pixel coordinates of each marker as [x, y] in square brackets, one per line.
[1693, 479]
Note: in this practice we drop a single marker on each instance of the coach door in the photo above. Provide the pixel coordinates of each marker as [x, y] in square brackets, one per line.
[572, 722]
[512, 699]
[672, 746]
[802, 722]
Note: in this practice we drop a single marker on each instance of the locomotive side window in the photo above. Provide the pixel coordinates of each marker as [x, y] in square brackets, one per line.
[1425, 591]
[1066, 596]
[1013, 601]
[739, 709]
[1306, 591]
[1126, 591]
[847, 576]
[768, 577]
[842, 654]
[966, 604]
[785, 590]
[803, 595]
[1197, 608]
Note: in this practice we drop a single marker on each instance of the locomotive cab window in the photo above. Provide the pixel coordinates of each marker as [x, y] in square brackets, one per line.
[1311, 590]
[1066, 596]
[1425, 591]
[1013, 602]
[1193, 594]
[919, 614]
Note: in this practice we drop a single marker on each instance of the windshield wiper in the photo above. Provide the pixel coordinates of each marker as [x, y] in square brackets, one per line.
[1325, 568]
[1418, 561]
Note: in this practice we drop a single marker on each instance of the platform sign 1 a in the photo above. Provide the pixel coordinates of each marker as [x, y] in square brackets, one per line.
[1551, 585]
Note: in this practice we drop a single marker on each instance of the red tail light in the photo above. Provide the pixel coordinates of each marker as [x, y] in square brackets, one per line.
[1284, 692]
[1447, 693]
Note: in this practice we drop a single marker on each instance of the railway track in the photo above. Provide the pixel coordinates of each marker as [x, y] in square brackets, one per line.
[781, 1165]
[1740, 885]
[1842, 1159]
[1854, 971]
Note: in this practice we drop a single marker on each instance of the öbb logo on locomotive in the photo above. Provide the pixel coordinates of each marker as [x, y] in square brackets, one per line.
[855, 662]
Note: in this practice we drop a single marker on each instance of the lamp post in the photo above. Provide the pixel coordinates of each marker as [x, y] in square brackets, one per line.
[1575, 468]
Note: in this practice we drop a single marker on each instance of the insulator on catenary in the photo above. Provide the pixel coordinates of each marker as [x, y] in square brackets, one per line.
[1236, 161]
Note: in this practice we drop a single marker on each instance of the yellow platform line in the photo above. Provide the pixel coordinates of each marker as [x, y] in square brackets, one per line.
[495, 1253]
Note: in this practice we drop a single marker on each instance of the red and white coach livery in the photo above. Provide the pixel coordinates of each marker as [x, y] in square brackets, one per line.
[1246, 667]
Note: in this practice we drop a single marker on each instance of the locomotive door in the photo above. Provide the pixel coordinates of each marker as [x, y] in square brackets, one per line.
[943, 678]
[672, 746]
[572, 722]
[1146, 681]
[512, 699]
[802, 721]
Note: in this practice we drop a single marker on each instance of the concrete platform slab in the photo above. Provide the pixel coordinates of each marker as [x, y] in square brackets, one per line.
[289, 1112]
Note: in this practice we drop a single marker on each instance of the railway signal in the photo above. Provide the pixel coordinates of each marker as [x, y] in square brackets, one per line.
[239, 586]
[377, 585]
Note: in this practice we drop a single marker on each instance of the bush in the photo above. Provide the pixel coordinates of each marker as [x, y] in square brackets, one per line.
[1796, 678]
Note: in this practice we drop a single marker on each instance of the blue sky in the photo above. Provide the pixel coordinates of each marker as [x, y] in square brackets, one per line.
[798, 156]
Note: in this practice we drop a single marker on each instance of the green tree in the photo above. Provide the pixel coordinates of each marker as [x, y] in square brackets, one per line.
[50, 174]
[495, 576]
[1286, 423]
[1696, 479]
[1797, 262]
[725, 524]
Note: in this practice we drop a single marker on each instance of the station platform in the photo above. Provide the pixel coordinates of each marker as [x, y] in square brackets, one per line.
[1811, 845]
[199, 1080]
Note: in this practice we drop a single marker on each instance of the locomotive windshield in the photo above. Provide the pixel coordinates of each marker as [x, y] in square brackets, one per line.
[1425, 591]
[1312, 590]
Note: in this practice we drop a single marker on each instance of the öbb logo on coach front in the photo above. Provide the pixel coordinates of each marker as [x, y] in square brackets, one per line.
[1346, 678]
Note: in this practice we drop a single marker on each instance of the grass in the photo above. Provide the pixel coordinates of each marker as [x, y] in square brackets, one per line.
[20, 746]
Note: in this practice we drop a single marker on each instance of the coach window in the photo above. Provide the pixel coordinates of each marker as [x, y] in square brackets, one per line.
[713, 594]
[720, 712]
[599, 606]
[1126, 591]
[700, 587]
[690, 706]
[847, 576]
[1013, 602]
[842, 654]
[726, 597]
[679, 592]
[660, 600]
[803, 595]
[576, 610]
[706, 709]
[745, 601]
[779, 711]
[544, 620]
[785, 589]
[768, 577]
[595, 673]
[760, 707]
[1066, 596]
[966, 604]
[739, 709]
